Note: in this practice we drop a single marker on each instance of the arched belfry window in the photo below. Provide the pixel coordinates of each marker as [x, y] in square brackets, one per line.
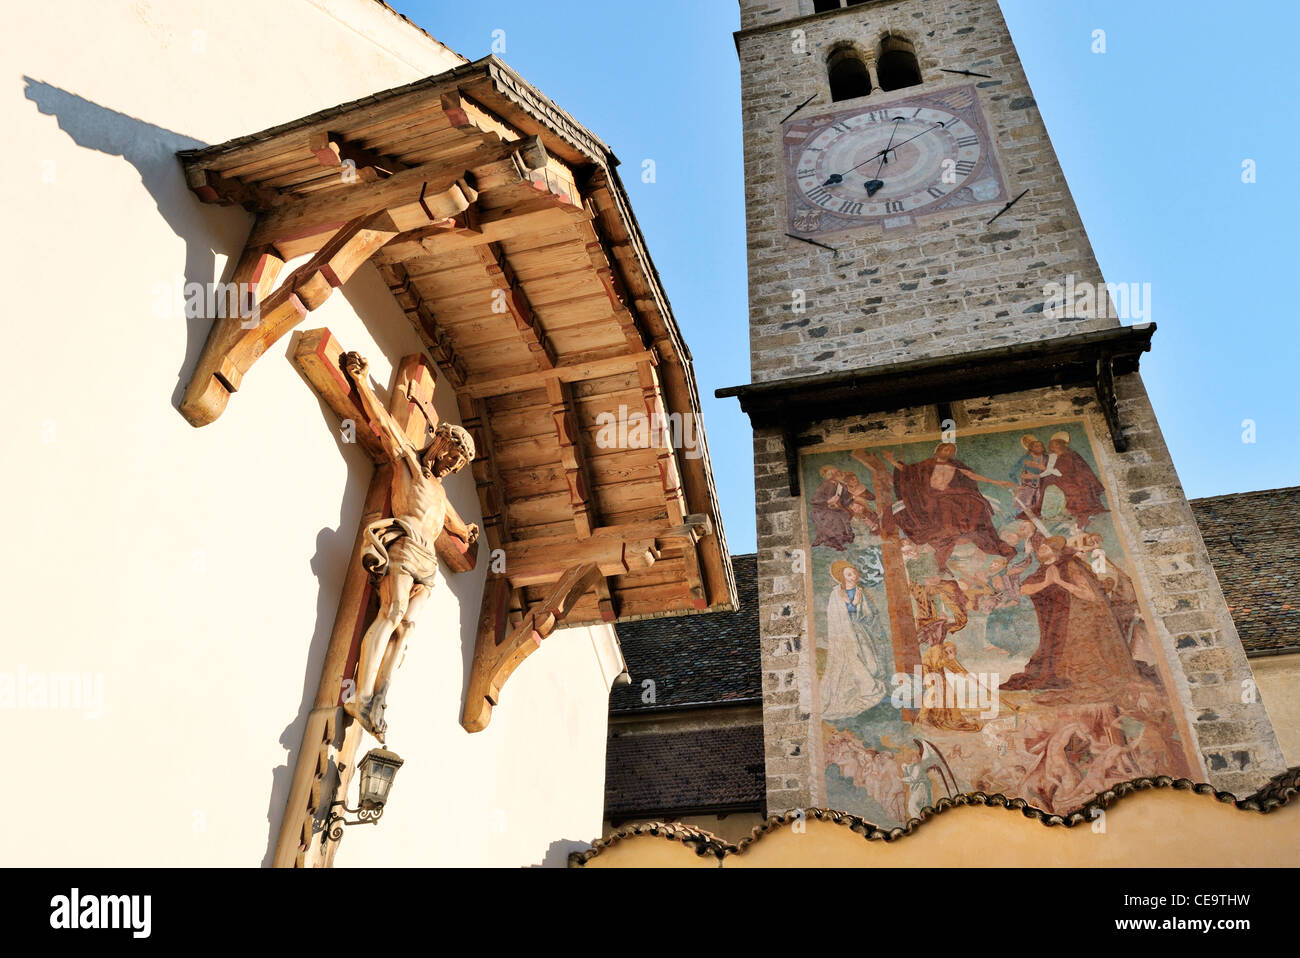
[848, 75]
[897, 65]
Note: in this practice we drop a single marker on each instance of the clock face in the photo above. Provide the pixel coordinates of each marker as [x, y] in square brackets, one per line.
[888, 163]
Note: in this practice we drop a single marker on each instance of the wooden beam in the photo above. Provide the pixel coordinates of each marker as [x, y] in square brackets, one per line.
[670, 475]
[414, 197]
[333, 150]
[487, 478]
[212, 187]
[497, 653]
[424, 322]
[617, 550]
[528, 566]
[317, 356]
[235, 343]
[215, 377]
[571, 371]
[573, 458]
[509, 293]
[532, 214]
[602, 261]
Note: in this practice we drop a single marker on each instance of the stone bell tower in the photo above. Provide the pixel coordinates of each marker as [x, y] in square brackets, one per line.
[975, 557]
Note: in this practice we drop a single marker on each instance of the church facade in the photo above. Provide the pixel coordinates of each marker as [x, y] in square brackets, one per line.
[977, 569]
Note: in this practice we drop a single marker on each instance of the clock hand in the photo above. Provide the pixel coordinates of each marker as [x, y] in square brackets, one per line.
[966, 73]
[884, 156]
[835, 178]
[876, 184]
[1007, 207]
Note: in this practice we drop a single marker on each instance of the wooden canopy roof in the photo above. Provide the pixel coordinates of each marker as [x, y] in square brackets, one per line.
[503, 232]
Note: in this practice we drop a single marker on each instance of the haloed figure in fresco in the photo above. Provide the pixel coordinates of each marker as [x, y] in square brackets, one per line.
[1007, 589]
[857, 671]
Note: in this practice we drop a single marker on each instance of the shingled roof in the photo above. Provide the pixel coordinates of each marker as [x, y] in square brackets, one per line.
[697, 660]
[1251, 538]
[679, 773]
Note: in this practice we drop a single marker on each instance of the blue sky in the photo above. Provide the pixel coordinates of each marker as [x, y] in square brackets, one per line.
[1151, 135]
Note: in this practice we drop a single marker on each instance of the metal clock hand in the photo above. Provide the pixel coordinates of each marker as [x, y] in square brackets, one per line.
[835, 178]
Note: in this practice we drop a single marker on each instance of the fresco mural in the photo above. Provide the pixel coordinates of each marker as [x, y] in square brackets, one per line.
[977, 628]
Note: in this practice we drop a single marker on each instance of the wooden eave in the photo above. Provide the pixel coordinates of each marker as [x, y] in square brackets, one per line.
[1095, 358]
[504, 234]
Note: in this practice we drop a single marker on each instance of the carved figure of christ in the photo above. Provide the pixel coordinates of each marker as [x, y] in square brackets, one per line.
[400, 551]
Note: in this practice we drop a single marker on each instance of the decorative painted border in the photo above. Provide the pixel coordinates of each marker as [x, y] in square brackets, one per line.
[1280, 791]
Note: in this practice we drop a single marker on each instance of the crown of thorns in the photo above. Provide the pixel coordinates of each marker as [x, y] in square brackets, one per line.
[457, 436]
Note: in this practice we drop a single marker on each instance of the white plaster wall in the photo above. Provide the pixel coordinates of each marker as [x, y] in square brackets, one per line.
[1278, 678]
[197, 571]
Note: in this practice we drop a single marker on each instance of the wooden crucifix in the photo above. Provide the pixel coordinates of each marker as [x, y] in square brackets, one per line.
[396, 547]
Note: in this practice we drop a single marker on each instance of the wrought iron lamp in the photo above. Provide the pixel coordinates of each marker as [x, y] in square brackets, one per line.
[378, 769]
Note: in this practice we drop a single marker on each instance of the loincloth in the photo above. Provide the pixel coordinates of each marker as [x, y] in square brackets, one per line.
[399, 544]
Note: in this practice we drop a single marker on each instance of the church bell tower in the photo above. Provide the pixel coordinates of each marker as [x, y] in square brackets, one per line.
[975, 558]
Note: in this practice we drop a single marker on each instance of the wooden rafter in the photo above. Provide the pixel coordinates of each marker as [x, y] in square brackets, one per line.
[510, 294]
[568, 434]
[532, 214]
[212, 187]
[487, 478]
[572, 370]
[424, 322]
[602, 261]
[333, 150]
[665, 455]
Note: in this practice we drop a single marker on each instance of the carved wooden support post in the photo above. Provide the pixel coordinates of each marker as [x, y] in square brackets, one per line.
[498, 651]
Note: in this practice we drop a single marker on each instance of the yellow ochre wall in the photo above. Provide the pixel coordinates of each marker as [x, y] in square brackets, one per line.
[1157, 828]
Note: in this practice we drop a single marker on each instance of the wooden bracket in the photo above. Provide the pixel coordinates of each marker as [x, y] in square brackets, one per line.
[236, 342]
[790, 444]
[1108, 401]
[499, 650]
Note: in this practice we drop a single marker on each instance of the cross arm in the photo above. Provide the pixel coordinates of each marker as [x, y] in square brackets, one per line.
[318, 356]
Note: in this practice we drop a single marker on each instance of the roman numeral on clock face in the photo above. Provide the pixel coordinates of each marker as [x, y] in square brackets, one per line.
[965, 167]
[968, 140]
[853, 209]
[893, 206]
[935, 192]
[820, 195]
[810, 172]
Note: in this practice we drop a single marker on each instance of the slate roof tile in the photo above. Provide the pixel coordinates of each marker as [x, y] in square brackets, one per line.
[1252, 538]
[678, 773]
[709, 659]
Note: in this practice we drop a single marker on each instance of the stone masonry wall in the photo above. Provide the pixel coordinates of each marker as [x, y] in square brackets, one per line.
[1234, 739]
[948, 284]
